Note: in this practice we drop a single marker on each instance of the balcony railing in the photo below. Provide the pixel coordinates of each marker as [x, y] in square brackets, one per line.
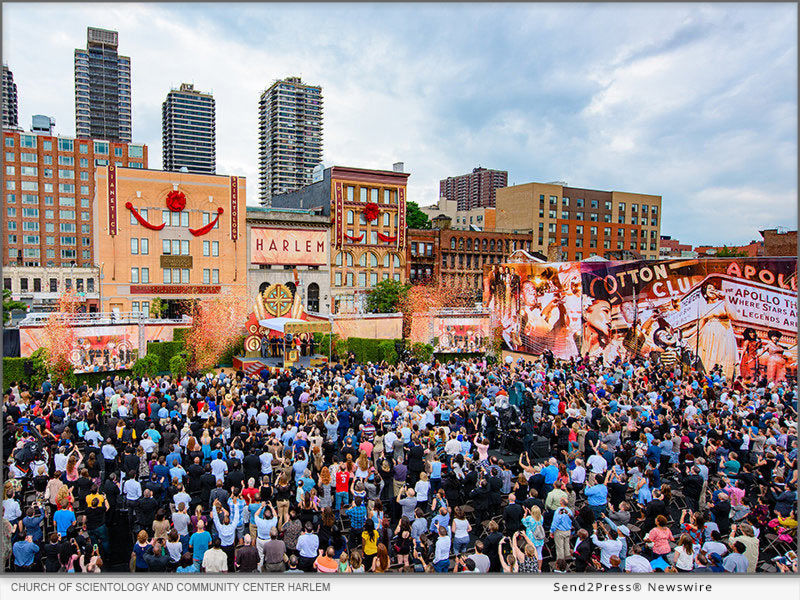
[103, 318]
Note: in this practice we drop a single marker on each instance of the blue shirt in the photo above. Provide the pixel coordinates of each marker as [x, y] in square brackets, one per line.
[24, 553]
[63, 518]
[443, 520]
[562, 520]
[358, 516]
[33, 527]
[596, 495]
[200, 541]
[550, 473]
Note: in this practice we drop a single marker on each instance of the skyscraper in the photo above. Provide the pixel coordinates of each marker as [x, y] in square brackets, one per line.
[10, 109]
[188, 131]
[474, 190]
[290, 136]
[102, 89]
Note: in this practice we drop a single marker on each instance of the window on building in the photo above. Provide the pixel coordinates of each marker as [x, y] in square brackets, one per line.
[53, 285]
[144, 246]
[134, 245]
[214, 275]
[135, 275]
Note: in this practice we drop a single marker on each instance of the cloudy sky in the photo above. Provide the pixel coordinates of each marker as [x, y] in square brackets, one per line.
[697, 103]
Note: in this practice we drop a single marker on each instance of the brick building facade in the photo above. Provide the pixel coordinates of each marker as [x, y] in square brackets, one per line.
[779, 242]
[473, 190]
[581, 222]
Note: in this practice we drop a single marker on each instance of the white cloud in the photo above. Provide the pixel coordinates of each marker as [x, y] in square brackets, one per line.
[680, 99]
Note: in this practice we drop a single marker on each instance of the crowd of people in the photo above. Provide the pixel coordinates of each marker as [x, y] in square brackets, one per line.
[539, 465]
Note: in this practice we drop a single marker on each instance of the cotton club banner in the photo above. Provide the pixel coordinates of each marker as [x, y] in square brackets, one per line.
[739, 315]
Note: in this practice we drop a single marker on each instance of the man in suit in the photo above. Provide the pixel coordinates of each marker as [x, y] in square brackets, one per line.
[491, 544]
[513, 514]
[583, 552]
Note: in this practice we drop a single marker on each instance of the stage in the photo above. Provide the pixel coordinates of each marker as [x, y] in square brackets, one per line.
[253, 364]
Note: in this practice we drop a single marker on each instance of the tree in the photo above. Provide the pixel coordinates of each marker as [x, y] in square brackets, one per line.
[156, 308]
[415, 218]
[59, 337]
[9, 305]
[386, 296]
[732, 252]
[217, 325]
[147, 366]
[178, 366]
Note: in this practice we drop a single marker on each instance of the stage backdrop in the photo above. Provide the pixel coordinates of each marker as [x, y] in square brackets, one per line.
[739, 313]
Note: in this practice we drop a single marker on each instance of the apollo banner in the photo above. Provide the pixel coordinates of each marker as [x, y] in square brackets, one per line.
[737, 315]
[274, 246]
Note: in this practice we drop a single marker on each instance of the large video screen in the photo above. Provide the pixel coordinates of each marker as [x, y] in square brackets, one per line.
[738, 315]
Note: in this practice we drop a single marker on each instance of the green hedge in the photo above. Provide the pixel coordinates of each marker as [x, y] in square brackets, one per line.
[93, 379]
[165, 351]
[226, 360]
[369, 350]
[179, 334]
[13, 370]
[324, 341]
[388, 351]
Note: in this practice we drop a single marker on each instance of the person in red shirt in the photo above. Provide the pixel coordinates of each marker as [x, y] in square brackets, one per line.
[250, 492]
[344, 481]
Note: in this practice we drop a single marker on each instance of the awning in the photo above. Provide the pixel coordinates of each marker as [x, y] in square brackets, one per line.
[278, 323]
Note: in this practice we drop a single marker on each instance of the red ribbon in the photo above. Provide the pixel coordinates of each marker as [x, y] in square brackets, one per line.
[353, 238]
[206, 228]
[142, 220]
[387, 238]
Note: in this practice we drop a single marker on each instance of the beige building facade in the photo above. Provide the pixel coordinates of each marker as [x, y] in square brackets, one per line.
[167, 235]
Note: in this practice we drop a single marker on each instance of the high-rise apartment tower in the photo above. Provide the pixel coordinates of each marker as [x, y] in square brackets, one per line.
[10, 108]
[290, 136]
[188, 131]
[102, 89]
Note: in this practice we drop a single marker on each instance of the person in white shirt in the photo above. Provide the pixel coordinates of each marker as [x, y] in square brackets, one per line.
[215, 560]
[60, 460]
[636, 563]
[578, 474]
[147, 444]
[453, 446]
[597, 464]
[266, 462]
[219, 468]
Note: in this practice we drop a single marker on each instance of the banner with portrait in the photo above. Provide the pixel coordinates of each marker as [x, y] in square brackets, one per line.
[461, 334]
[735, 315]
[99, 348]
